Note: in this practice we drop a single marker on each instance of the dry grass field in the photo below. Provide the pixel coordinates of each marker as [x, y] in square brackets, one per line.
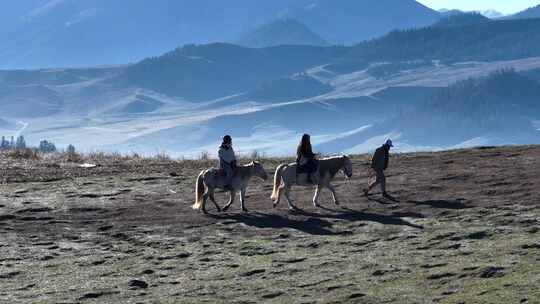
[464, 229]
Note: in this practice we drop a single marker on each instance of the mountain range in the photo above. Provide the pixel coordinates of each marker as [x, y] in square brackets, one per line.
[349, 97]
[65, 33]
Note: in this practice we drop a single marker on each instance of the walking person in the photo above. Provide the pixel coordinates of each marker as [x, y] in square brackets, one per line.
[379, 163]
[227, 160]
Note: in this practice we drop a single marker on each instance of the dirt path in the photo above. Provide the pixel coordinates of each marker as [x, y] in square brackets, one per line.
[464, 230]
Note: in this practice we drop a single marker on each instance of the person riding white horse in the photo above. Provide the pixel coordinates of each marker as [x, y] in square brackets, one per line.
[209, 180]
[286, 176]
[228, 176]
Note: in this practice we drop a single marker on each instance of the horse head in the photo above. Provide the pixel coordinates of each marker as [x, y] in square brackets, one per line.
[347, 166]
[258, 170]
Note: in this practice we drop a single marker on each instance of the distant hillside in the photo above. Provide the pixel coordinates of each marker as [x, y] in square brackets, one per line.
[352, 21]
[491, 14]
[502, 105]
[532, 12]
[204, 72]
[282, 31]
[298, 86]
[462, 19]
[486, 41]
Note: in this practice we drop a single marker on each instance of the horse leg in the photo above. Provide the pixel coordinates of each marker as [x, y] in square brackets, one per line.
[231, 201]
[242, 199]
[203, 207]
[316, 197]
[334, 197]
[212, 198]
[289, 201]
[279, 193]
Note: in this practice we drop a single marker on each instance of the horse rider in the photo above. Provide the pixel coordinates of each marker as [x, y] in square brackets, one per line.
[379, 163]
[227, 160]
[305, 158]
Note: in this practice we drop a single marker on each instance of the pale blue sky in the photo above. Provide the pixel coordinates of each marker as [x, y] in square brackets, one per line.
[503, 6]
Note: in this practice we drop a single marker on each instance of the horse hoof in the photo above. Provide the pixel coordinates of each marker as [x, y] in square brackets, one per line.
[245, 210]
[336, 203]
[317, 206]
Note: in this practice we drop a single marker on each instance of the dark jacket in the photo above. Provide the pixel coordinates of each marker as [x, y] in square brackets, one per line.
[306, 163]
[379, 162]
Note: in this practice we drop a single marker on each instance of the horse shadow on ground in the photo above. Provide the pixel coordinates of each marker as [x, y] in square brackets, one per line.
[442, 204]
[313, 223]
[388, 200]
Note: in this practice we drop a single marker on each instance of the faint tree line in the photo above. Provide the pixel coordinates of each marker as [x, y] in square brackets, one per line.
[19, 143]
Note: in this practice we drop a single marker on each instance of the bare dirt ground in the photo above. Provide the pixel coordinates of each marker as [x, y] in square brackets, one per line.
[465, 229]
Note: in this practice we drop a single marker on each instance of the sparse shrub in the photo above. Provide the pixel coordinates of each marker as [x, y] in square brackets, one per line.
[29, 154]
[20, 144]
[162, 156]
[204, 155]
[4, 144]
[70, 149]
[46, 147]
[72, 154]
[254, 155]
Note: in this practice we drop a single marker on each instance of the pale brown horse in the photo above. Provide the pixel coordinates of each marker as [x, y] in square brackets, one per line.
[209, 180]
[286, 176]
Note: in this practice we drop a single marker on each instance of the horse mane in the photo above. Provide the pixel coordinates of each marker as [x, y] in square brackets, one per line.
[331, 165]
[242, 169]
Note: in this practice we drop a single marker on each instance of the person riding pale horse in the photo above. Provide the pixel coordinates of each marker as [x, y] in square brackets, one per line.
[233, 181]
[286, 176]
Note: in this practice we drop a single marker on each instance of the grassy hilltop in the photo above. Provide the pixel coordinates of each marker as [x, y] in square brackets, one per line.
[465, 230]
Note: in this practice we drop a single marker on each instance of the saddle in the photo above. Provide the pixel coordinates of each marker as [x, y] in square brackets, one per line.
[311, 166]
[308, 169]
[220, 172]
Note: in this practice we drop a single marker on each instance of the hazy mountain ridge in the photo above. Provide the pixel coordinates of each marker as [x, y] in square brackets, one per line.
[502, 105]
[485, 41]
[361, 20]
[181, 101]
[204, 72]
[532, 12]
[48, 33]
[282, 31]
[462, 19]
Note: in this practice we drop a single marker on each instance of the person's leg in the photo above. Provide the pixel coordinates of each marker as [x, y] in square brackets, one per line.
[382, 180]
[228, 178]
[372, 183]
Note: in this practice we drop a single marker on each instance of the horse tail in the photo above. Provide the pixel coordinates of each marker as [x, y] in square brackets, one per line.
[277, 181]
[199, 192]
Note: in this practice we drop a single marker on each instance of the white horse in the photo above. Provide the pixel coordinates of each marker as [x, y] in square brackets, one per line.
[286, 176]
[209, 180]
